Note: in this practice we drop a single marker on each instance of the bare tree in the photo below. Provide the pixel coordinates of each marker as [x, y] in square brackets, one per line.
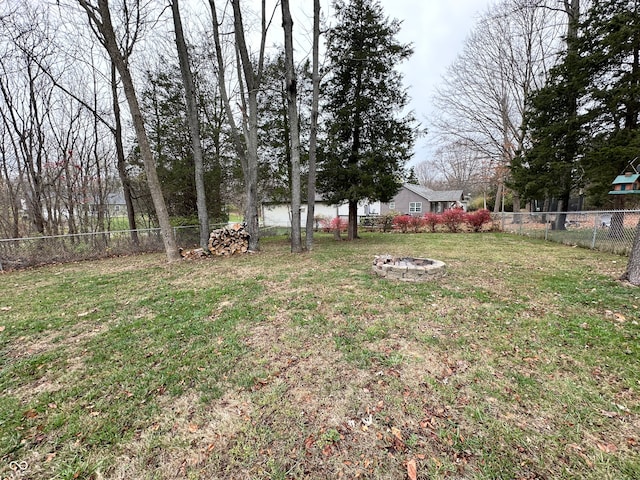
[294, 133]
[250, 77]
[193, 121]
[313, 135]
[127, 189]
[455, 166]
[99, 15]
[483, 100]
[24, 115]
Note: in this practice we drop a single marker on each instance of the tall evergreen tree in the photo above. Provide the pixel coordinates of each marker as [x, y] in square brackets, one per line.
[549, 166]
[610, 48]
[368, 138]
[611, 53]
[163, 103]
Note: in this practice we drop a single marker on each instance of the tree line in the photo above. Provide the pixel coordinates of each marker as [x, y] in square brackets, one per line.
[185, 110]
[543, 102]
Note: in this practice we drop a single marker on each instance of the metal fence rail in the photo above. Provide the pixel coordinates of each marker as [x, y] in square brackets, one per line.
[609, 231]
[31, 251]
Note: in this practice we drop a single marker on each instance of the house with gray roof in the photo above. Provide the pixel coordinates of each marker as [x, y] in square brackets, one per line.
[418, 200]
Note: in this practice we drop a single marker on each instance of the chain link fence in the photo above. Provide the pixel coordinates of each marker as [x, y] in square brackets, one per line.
[16, 253]
[609, 231]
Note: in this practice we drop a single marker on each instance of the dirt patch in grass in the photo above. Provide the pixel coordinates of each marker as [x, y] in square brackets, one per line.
[80, 333]
[184, 437]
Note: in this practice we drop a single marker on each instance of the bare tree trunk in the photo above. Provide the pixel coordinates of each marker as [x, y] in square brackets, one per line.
[100, 17]
[252, 81]
[294, 134]
[13, 187]
[99, 194]
[633, 266]
[352, 232]
[499, 195]
[194, 125]
[250, 77]
[313, 134]
[121, 159]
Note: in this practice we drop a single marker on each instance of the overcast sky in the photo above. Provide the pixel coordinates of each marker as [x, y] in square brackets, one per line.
[437, 30]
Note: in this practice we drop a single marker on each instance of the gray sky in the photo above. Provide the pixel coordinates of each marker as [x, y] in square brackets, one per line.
[437, 29]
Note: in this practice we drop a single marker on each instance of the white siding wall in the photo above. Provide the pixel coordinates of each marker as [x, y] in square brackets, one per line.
[279, 215]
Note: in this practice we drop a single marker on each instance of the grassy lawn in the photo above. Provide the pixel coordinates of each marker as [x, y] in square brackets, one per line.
[522, 363]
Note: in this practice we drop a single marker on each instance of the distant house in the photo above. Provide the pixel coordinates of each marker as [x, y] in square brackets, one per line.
[418, 200]
[116, 204]
[278, 214]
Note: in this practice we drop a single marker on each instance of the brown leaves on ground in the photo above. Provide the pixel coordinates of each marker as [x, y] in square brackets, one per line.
[412, 469]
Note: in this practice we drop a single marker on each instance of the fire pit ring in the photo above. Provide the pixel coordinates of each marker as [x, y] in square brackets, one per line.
[408, 269]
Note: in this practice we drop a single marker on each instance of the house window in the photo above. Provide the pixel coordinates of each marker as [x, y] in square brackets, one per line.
[415, 207]
[392, 205]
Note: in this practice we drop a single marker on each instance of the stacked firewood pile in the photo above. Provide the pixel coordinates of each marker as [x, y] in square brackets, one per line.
[229, 240]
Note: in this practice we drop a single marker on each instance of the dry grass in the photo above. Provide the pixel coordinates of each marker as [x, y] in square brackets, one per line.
[521, 363]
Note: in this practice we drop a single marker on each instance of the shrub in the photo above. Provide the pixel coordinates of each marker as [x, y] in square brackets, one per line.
[339, 224]
[478, 219]
[319, 222]
[402, 222]
[416, 223]
[334, 224]
[432, 220]
[386, 221]
[453, 219]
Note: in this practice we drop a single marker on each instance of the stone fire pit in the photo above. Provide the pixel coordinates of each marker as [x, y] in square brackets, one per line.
[408, 269]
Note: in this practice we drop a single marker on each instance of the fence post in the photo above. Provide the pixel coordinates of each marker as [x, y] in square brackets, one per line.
[546, 229]
[521, 220]
[595, 233]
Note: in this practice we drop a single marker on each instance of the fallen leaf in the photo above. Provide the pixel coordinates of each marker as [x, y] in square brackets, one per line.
[5, 309]
[193, 427]
[53, 406]
[396, 433]
[50, 457]
[308, 443]
[412, 469]
[607, 447]
[31, 413]
[2, 327]
[327, 450]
